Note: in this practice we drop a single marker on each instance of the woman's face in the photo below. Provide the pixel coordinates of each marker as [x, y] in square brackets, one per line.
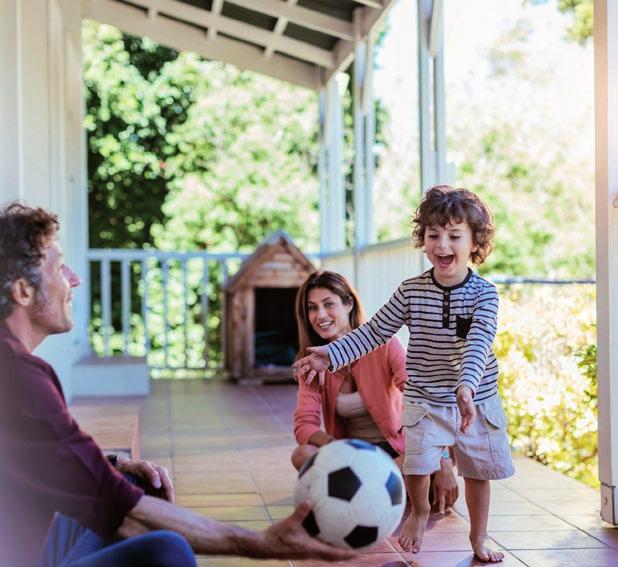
[328, 316]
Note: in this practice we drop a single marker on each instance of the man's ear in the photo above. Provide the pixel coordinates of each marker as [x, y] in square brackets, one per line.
[22, 292]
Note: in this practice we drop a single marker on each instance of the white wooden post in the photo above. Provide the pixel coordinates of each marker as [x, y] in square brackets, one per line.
[323, 169]
[364, 136]
[370, 136]
[332, 203]
[606, 108]
[432, 119]
[10, 133]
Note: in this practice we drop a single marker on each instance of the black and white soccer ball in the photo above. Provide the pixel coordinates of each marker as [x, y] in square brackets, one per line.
[356, 491]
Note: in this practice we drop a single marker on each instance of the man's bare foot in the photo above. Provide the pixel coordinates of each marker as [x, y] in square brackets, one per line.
[484, 552]
[411, 536]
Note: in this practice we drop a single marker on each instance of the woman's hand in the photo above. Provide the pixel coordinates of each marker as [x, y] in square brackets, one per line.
[445, 487]
[315, 363]
[155, 475]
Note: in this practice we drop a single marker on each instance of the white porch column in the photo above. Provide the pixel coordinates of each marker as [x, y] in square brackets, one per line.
[364, 134]
[10, 135]
[606, 101]
[332, 193]
[42, 159]
[432, 120]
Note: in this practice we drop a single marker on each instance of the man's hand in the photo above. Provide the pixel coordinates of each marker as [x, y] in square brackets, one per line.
[466, 407]
[155, 475]
[288, 539]
[445, 487]
[315, 363]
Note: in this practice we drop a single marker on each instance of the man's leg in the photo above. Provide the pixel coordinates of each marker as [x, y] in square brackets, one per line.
[65, 538]
[155, 549]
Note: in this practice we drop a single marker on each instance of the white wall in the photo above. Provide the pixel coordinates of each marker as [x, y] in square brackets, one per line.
[42, 158]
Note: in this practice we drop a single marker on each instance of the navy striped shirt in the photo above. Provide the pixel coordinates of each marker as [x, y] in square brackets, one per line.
[451, 334]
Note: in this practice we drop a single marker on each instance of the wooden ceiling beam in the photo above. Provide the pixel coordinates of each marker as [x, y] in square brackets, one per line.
[310, 19]
[177, 35]
[240, 30]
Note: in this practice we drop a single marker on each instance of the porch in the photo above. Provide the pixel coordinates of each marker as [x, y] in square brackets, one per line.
[228, 449]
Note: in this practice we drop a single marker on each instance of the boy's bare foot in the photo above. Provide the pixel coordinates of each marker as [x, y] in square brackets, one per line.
[484, 552]
[411, 536]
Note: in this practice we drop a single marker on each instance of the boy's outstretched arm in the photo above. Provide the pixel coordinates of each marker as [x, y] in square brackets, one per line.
[315, 363]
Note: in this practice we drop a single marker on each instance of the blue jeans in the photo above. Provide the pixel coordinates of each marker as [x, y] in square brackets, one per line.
[72, 545]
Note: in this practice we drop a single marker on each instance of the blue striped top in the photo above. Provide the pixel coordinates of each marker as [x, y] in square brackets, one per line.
[451, 334]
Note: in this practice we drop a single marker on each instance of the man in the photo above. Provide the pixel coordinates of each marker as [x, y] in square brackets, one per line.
[48, 465]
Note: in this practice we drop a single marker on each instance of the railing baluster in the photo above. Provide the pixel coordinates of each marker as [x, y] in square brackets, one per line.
[145, 306]
[125, 298]
[204, 310]
[166, 325]
[106, 303]
[147, 259]
[224, 278]
[185, 302]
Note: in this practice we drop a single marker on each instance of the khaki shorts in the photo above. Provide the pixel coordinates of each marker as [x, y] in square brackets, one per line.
[482, 453]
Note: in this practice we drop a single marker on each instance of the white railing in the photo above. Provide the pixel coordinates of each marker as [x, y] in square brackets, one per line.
[174, 289]
[179, 295]
[377, 270]
[160, 304]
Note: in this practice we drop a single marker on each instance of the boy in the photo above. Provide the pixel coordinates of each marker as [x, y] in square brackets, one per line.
[451, 396]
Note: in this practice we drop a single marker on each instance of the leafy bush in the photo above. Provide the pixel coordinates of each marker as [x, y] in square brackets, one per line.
[545, 345]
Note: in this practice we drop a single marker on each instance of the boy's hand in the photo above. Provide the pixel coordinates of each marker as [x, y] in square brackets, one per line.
[315, 363]
[466, 407]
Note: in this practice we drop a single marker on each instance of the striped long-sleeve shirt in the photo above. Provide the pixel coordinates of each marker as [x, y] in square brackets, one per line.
[451, 334]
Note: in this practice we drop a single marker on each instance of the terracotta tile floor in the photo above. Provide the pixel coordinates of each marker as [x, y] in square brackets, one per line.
[228, 448]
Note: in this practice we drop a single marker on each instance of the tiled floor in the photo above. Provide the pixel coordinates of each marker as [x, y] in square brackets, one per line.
[228, 447]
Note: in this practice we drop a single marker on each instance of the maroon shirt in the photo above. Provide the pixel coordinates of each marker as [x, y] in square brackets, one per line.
[47, 464]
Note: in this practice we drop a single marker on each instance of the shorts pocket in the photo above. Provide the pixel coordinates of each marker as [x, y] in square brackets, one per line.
[496, 425]
[415, 420]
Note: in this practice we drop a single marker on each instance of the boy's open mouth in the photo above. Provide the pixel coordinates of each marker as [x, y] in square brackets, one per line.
[445, 261]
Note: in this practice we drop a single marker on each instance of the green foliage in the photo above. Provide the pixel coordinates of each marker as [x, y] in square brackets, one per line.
[133, 99]
[513, 146]
[583, 22]
[545, 346]
[531, 198]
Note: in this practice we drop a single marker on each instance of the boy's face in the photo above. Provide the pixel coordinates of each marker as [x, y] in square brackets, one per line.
[448, 248]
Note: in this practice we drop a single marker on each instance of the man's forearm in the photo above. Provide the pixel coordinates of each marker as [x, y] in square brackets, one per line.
[205, 536]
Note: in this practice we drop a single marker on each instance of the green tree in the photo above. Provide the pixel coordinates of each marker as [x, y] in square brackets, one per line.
[133, 100]
[583, 22]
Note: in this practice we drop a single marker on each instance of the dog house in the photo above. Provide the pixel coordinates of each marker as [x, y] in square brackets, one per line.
[261, 337]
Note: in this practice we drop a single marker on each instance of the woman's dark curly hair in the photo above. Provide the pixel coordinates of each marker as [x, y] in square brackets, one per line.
[24, 231]
[444, 204]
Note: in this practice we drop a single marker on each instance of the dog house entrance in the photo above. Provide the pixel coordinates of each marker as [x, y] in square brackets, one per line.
[275, 335]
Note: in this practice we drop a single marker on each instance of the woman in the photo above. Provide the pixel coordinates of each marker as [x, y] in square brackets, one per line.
[364, 400]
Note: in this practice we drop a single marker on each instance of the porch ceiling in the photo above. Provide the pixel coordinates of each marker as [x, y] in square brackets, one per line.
[304, 42]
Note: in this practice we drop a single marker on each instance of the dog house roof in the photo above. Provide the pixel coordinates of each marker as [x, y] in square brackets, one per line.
[275, 243]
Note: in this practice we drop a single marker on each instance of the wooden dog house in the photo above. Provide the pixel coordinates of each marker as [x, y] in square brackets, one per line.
[261, 336]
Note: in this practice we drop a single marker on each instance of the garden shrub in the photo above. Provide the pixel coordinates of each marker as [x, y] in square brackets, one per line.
[547, 353]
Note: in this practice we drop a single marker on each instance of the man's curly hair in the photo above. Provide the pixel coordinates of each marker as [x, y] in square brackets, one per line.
[24, 231]
[444, 204]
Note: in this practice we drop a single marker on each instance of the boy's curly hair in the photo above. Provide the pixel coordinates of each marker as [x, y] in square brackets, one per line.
[24, 232]
[444, 204]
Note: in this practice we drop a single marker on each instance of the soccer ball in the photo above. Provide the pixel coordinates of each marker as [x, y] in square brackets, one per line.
[356, 491]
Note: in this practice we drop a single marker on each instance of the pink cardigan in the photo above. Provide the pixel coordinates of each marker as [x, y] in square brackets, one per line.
[380, 377]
